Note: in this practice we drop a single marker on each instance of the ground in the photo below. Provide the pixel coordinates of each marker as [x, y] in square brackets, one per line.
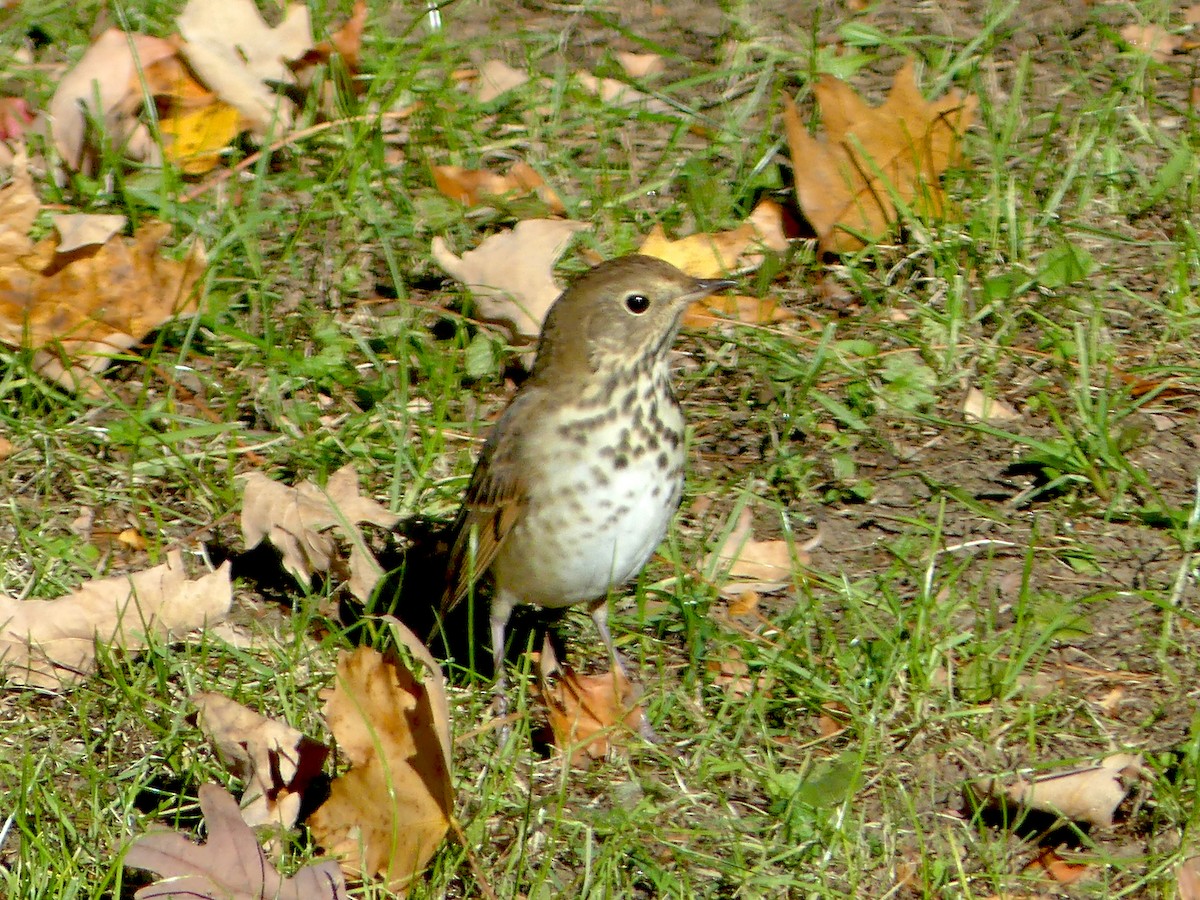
[971, 600]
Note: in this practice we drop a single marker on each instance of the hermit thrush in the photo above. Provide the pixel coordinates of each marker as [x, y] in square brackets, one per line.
[580, 477]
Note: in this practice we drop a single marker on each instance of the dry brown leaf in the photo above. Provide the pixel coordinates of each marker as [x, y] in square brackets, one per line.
[618, 93]
[832, 720]
[1153, 40]
[15, 118]
[511, 274]
[133, 539]
[19, 207]
[978, 407]
[473, 186]
[1057, 869]
[296, 520]
[713, 312]
[345, 42]
[52, 643]
[275, 760]
[496, 78]
[386, 817]
[1187, 879]
[587, 713]
[640, 65]
[1088, 795]
[749, 564]
[77, 310]
[724, 253]
[731, 673]
[846, 179]
[195, 125]
[1110, 703]
[99, 87]
[85, 230]
[744, 603]
[235, 53]
[170, 81]
[230, 865]
[7, 448]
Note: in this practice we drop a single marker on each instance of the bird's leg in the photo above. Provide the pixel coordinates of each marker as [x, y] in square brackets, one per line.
[599, 613]
[501, 609]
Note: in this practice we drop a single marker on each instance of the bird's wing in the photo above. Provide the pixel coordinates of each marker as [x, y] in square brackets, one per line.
[493, 503]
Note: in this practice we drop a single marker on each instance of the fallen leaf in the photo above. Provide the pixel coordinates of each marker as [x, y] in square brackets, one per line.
[1111, 702]
[77, 310]
[15, 118]
[82, 524]
[386, 817]
[169, 81]
[495, 78]
[846, 179]
[230, 865]
[744, 603]
[640, 65]
[195, 139]
[747, 564]
[832, 720]
[511, 274]
[345, 42]
[276, 761]
[1089, 795]
[731, 673]
[7, 448]
[618, 93]
[19, 207]
[1057, 869]
[52, 643]
[472, 186]
[85, 230]
[98, 87]
[235, 53]
[715, 311]
[587, 713]
[133, 539]
[1153, 40]
[295, 521]
[236, 636]
[1187, 879]
[724, 253]
[978, 407]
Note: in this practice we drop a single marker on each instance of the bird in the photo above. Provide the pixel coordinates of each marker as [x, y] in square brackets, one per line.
[581, 475]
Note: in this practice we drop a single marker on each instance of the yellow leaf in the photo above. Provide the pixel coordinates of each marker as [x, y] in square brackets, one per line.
[713, 311]
[725, 252]
[197, 138]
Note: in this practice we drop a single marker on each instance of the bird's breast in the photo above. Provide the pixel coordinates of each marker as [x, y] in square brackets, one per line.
[608, 480]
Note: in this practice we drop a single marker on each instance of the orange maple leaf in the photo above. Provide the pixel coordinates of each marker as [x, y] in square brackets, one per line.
[873, 158]
[388, 814]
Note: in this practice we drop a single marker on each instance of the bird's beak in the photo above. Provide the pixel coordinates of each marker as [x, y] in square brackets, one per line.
[708, 286]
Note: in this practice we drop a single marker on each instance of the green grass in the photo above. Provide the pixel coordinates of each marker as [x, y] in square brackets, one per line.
[977, 589]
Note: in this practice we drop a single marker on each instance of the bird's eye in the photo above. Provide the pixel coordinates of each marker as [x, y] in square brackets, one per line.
[637, 303]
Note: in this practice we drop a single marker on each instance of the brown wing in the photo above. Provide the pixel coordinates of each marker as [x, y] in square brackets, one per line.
[493, 502]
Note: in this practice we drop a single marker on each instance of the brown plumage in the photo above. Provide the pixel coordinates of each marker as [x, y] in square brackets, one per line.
[580, 476]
